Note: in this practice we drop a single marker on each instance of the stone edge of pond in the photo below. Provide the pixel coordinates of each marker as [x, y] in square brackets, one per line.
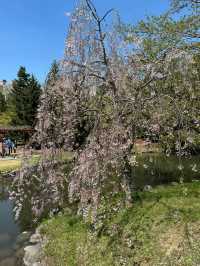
[34, 252]
[8, 174]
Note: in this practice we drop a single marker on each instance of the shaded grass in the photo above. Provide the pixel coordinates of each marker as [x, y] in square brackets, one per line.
[162, 228]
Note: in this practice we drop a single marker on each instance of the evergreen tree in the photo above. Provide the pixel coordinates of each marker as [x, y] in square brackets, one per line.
[53, 74]
[25, 98]
[2, 103]
[50, 111]
[34, 92]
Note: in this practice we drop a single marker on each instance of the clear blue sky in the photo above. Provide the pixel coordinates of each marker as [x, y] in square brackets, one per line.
[32, 32]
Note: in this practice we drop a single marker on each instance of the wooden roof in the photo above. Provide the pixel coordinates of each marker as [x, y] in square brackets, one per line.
[4, 129]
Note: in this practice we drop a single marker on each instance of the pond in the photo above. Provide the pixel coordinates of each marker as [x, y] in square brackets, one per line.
[11, 239]
[156, 169]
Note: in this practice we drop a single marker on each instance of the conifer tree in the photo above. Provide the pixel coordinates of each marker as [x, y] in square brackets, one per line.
[2, 103]
[25, 98]
[50, 111]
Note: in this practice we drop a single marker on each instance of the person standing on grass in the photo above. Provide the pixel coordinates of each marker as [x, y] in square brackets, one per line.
[13, 147]
[9, 145]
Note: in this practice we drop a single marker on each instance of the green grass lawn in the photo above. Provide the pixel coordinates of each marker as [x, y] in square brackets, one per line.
[9, 165]
[162, 228]
[15, 164]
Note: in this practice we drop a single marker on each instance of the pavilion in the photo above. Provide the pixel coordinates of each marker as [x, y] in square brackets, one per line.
[10, 130]
[23, 129]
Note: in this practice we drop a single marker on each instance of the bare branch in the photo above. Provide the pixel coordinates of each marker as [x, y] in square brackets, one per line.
[106, 14]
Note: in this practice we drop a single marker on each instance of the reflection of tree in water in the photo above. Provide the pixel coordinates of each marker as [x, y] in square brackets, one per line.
[24, 221]
[24, 218]
[4, 188]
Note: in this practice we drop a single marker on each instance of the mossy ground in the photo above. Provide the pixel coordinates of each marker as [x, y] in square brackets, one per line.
[161, 228]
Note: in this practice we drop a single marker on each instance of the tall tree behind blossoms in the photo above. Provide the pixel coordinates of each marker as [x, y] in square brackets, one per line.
[25, 98]
[2, 103]
[49, 117]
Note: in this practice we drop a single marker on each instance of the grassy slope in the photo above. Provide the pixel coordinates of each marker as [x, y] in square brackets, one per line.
[161, 229]
[6, 118]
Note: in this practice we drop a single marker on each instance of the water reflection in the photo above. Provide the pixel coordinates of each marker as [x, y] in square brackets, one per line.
[156, 169]
[9, 229]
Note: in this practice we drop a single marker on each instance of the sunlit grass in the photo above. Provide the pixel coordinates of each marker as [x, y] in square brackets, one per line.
[9, 165]
[162, 228]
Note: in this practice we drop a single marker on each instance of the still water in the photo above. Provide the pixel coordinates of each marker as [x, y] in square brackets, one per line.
[11, 240]
[157, 169]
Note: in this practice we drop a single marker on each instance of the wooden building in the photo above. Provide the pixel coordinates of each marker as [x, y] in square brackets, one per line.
[24, 131]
